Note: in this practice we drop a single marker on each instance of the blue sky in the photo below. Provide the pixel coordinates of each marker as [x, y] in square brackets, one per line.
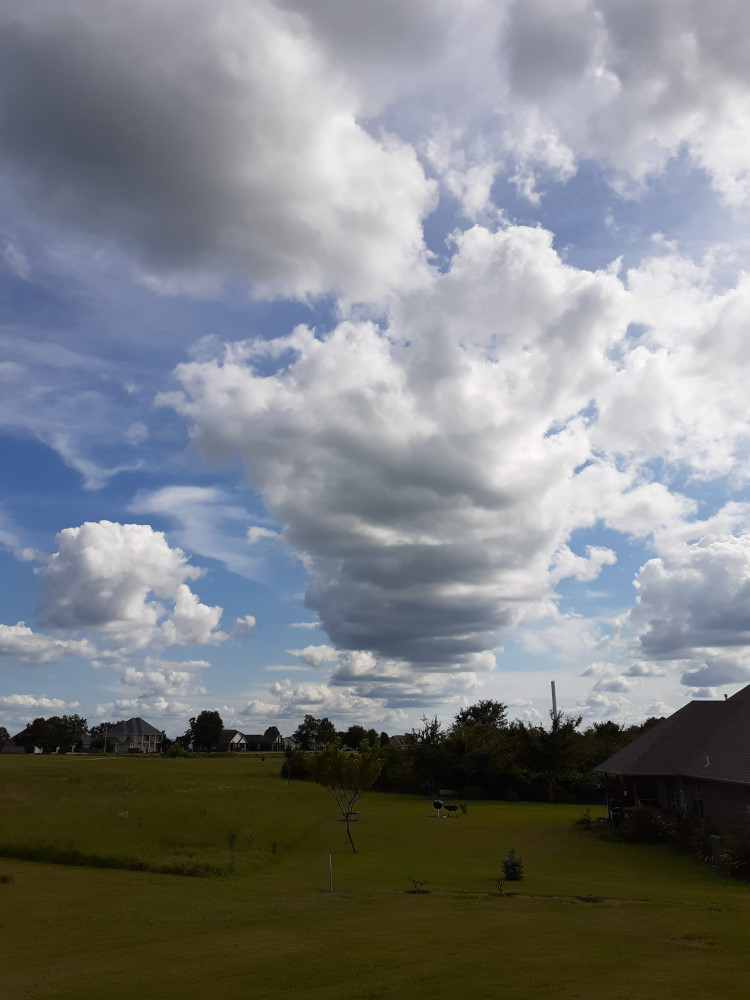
[368, 360]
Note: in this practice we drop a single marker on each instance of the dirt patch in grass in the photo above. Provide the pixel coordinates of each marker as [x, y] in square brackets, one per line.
[692, 941]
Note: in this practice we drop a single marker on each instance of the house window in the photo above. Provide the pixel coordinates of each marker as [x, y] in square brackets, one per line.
[697, 807]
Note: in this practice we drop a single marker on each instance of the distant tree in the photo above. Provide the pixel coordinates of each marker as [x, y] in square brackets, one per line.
[353, 737]
[98, 735]
[326, 732]
[271, 735]
[313, 733]
[306, 733]
[205, 730]
[100, 731]
[347, 776]
[485, 713]
[185, 741]
[384, 739]
[601, 740]
[479, 745]
[479, 754]
[554, 751]
[4, 737]
[426, 747]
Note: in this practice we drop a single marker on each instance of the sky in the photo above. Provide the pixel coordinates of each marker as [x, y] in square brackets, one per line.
[369, 360]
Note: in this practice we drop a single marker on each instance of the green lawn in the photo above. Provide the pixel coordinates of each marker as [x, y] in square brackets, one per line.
[666, 927]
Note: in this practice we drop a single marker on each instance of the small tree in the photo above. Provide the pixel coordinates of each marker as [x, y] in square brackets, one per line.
[347, 776]
[4, 737]
[512, 867]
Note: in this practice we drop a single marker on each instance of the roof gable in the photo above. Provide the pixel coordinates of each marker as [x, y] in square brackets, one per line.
[230, 735]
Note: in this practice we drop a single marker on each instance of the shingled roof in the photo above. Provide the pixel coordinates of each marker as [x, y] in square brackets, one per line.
[705, 739]
[133, 727]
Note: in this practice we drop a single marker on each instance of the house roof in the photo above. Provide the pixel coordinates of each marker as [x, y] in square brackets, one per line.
[705, 739]
[133, 727]
[227, 735]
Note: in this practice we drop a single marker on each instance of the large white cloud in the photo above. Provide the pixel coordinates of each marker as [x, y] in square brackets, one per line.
[629, 84]
[686, 368]
[213, 137]
[22, 643]
[31, 701]
[166, 678]
[126, 582]
[342, 704]
[693, 608]
[429, 477]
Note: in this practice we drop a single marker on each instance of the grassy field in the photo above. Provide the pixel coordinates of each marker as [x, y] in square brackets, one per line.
[267, 928]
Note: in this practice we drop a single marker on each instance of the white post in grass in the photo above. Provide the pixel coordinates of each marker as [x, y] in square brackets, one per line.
[330, 874]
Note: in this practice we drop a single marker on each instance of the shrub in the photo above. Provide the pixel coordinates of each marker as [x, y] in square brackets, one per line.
[644, 826]
[512, 867]
[294, 767]
[736, 857]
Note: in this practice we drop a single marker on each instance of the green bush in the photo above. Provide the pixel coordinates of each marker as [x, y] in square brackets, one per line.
[644, 826]
[294, 767]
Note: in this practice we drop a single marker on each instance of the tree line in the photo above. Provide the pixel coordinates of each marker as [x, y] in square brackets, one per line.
[480, 754]
[58, 732]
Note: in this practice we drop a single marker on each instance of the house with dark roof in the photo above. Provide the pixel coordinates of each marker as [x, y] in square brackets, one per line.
[231, 741]
[696, 762]
[134, 736]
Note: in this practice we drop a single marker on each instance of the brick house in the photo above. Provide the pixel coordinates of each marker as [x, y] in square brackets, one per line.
[696, 762]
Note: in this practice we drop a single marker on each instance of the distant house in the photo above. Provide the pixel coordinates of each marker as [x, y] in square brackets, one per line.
[696, 762]
[258, 741]
[231, 741]
[135, 735]
[12, 747]
[82, 743]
